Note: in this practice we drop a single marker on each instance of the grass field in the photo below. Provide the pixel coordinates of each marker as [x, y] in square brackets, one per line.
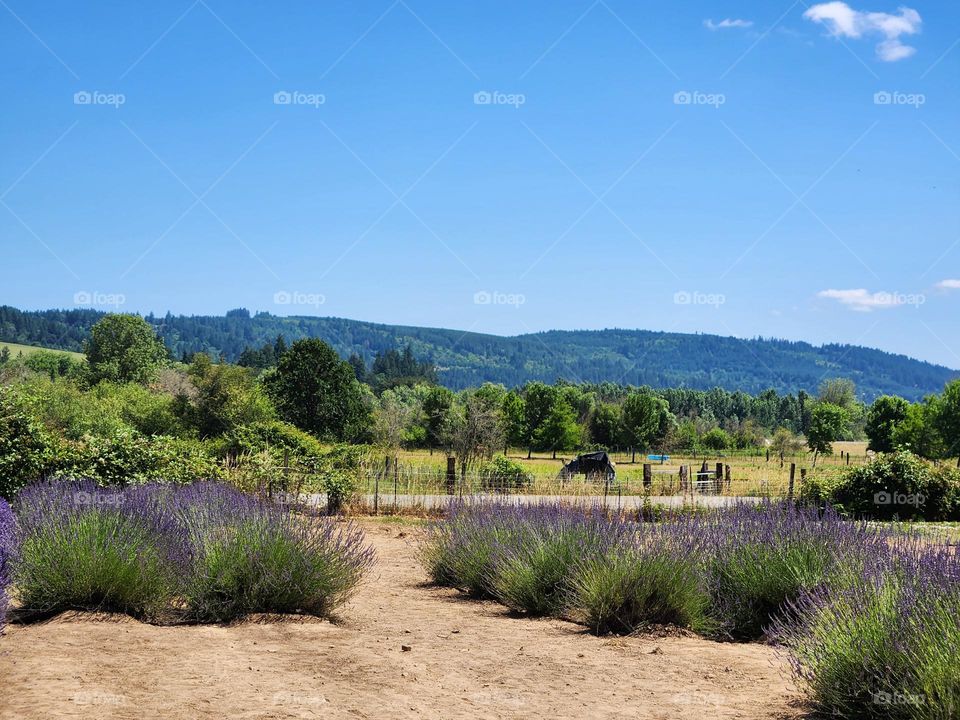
[27, 350]
[418, 472]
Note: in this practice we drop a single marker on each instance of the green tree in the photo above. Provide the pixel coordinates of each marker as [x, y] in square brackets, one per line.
[918, 431]
[317, 391]
[883, 417]
[605, 425]
[716, 439]
[828, 422]
[559, 430]
[784, 443]
[645, 418]
[947, 420]
[473, 430]
[124, 348]
[227, 397]
[26, 448]
[513, 409]
[538, 399]
[436, 405]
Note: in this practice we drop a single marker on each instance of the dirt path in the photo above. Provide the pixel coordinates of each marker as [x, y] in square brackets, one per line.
[466, 660]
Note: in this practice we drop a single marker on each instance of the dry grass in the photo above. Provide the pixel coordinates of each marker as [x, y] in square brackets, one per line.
[419, 472]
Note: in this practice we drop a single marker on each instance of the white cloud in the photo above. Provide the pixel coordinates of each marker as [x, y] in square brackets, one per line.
[727, 23]
[949, 284]
[841, 20]
[862, 300]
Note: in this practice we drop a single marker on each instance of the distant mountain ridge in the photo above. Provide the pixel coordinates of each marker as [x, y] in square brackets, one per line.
[465, 359]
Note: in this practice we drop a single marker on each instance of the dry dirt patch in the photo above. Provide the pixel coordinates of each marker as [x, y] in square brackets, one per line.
[401, 650]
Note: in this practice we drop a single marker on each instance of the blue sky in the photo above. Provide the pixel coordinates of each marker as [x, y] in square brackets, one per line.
[740, 168]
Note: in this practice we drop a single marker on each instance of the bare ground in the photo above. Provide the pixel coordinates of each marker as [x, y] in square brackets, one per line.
[466, 659]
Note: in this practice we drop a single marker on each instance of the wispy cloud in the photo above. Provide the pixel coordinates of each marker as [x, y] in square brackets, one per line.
[727, 23]
[841, 20]
[949, 284]
[862, 300]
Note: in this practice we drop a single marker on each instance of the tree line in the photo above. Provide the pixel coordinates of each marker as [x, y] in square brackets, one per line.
[467, 359]
[395, 402]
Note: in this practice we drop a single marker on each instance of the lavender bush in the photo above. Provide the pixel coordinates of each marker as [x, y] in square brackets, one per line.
[7, 549]
[654, 578]
[86, 547]
[725, 573]
[764, 556]
[886, 645]
[199, 552]
[252, 556]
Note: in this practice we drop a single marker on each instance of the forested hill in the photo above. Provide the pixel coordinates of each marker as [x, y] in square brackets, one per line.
[636, 357]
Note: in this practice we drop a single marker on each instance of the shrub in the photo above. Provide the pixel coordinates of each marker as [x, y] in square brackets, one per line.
[716, 439]
[26, 448]
[131, 458]
[500, 473]
[459, 550]
[628, 586]
[764, 556]
[256, 557]
[727, 573]
[897, 485]
[340, 487]
[885, 646]
[85, 547]
[204, 552]
[531, 572]
[274, 435]
[7, 552]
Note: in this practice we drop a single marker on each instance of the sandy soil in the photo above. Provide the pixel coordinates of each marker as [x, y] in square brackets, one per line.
[401, 650]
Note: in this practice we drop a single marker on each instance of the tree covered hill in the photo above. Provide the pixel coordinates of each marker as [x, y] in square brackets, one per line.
[464, 359]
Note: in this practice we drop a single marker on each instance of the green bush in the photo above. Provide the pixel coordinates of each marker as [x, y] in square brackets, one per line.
[131, 458]
[502, 473]
[626, 588]
[716, 439]
[896, 485]
[276, 436]
[26, 448]
[340, 488]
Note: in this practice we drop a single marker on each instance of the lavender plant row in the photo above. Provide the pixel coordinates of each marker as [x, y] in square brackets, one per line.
[868, 617]
[202, 552]
[6, 557]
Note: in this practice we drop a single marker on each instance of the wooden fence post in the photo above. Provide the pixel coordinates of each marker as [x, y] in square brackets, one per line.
[793, 472]
[451, 475]
[647, 475]
[718, 479]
